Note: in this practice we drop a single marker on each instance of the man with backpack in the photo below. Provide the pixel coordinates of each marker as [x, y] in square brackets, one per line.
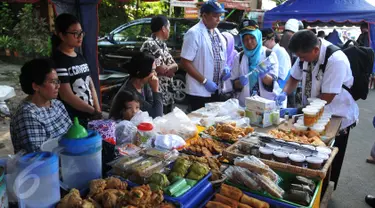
[327, 78]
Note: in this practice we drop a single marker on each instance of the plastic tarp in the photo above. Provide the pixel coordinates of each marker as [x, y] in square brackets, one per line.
[354, 11]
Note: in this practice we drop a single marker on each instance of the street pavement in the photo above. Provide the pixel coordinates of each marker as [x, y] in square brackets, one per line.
[357, 176]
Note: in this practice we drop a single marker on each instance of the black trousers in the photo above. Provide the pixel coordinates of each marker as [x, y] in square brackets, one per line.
[341, 142]
[197, 102]
[168, 108]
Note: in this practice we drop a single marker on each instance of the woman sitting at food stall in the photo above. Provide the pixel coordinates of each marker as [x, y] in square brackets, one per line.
[39, 117]
[263, 80]
[144, 83]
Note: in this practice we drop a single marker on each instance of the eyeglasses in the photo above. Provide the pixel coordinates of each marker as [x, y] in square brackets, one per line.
[77, 34]
[54, 81]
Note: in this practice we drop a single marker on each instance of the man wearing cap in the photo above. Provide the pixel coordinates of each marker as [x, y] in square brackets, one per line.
[203, 56]
[291, 27]
[269, 37]
[166, 66]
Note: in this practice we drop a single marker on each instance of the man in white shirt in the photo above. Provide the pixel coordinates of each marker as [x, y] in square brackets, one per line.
[203, 56]
[269, 36]
[327, 86]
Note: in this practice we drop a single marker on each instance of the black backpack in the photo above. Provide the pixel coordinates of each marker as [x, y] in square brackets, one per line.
[361, 62]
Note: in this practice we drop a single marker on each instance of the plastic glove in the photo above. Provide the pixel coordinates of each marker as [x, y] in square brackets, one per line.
[373, 121]
[290, 111]
[280, 98]
[243, 80]
[226, 73]
[263, 70]
[210, 86]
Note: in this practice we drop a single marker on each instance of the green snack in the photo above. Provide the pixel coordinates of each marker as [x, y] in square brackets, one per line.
[194, 176]
[199, 168]
[173, 175]
[176, 186]
[159, 179]
[191, 182]
[154, 187]
[175, 178]
[181, 166]
[182, 191]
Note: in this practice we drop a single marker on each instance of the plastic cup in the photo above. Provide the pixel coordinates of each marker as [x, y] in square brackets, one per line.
[319, 106]
[309, 116]
[319, 128]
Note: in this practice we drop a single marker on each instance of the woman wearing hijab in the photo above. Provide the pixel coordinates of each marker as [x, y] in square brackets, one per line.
[258, 60]
[231, 55]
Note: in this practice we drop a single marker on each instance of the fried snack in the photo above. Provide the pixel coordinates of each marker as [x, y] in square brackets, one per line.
[97, 186]
[240, 205]
[71, 200]
[214, 204]
[305, 137]
[90, 203]
[206, 152]
[225, 200]
[254, 202]
[115, 183]
[231, 192]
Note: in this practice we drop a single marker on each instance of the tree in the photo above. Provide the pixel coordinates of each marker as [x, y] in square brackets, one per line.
[278, 2]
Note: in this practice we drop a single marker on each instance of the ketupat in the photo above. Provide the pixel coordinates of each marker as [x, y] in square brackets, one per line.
[181, 166]
[159, 179]
[197, 171]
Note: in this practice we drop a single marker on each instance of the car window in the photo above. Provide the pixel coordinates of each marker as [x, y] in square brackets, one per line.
[145, 33]
[128, 34]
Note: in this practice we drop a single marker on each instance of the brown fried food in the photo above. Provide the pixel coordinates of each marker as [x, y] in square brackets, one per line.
[228, 128]
[115, 183]
[88, 203]
[71, 200]
[97, 186]
[206, 152]
[156, 198]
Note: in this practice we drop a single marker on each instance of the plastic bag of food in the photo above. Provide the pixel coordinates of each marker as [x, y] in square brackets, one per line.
[168, 155]
[169, 141]
[271, 187]
[209, 121]
[141, 117]
[231, 108]
[242, 176]
[125, 132]
[176, 122]
[128, 149]
[251, 163]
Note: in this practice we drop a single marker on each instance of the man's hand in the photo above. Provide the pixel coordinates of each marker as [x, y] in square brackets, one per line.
[226, 73]
[280, 98]
[210, 86]
[162, 70]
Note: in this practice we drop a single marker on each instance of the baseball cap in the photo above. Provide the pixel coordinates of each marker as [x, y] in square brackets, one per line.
[248, 25]
[212, 6]
[292, 25]
[268, 33]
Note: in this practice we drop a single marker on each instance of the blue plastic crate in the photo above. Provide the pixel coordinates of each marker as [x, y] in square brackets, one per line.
[190, 199]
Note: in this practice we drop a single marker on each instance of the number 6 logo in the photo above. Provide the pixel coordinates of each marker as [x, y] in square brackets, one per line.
[23, 176]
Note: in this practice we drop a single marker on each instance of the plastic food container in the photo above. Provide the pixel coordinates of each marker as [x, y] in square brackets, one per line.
[273, 146]
[311, 100]
[144, 133]
[287, 149]
[325, 150]
[309, 147]
[309, 116]
[314, 162]
[280, 156]
[300, 127]
[319, 106]
[323, 156]
[297, 159]
[319, 128]
[266, 153]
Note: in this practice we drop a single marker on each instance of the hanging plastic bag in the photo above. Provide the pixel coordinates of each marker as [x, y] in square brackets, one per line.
[169, 141]
[141, 117]
[175, 122]
[125, 132]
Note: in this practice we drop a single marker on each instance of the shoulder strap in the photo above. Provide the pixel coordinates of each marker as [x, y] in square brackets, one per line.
[330, 50]
[241, 56]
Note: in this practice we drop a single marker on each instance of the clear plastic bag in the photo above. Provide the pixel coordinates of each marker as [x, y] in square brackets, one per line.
[230, 108]
[242, 176]
[141, 117]
[176, 122]
[169, 141]
[128, 149]
[125, 132]
[251, 163]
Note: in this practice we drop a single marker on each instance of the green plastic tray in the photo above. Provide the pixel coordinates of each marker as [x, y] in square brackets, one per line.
[283, 183]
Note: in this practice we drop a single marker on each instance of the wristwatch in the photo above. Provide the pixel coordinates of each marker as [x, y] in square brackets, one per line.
[204, 81]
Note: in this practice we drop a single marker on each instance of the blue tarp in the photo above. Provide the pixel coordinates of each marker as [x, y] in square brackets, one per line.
[354, 11]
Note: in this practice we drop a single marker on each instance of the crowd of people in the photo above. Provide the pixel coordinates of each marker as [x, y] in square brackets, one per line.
[267, 66]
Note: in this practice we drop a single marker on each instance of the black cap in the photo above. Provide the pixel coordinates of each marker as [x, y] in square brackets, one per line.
[268, 33]
[248, 25]
[158, 22]
[212, 6]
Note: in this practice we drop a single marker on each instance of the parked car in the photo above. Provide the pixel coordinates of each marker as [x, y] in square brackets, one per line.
[122, 43]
